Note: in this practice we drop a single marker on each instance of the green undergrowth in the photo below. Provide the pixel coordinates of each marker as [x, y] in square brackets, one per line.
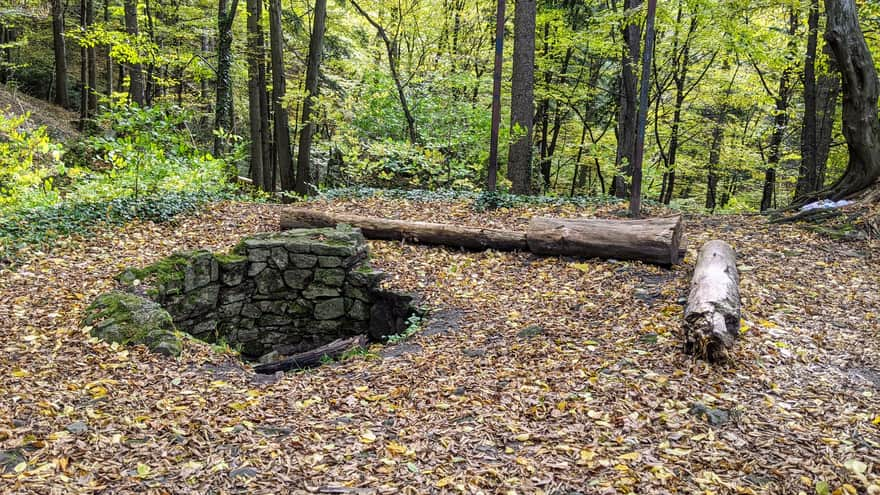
[40, 226]
[480, 201]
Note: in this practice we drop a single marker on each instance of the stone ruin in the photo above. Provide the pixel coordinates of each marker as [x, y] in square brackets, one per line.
[275, 294]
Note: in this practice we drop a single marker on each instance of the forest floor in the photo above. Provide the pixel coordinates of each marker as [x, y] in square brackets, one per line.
[601, 400]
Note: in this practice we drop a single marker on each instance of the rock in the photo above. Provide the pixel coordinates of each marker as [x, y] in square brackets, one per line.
[232, 268]
[200, 270]
[278, 257]
[9, 459]
[269, 281]
[317, 290]
[330, 309]
[270, 357]
[530, 331]
[230, 310]
[715, 417]
[474, 352]
[303, 260]
[331, 277]
[255, 268]
[251, 311]
[255, 254]
[130, 319]
[329, 262]
[359, 311]
[300, 307]
[297, 279]
[244, 472]
[196, 303]
[77, 427]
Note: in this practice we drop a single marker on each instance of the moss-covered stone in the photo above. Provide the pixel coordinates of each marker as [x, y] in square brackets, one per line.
[130, 319]
[331, 277]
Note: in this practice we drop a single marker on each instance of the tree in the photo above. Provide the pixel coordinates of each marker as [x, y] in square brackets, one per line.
[635, 202]
[261, 170]
[496, 96]
[279, 91]
[807, 174]
[136, 88]
[223, 110]
[316, 46]
[519, 162]
[627, 127]
[60, 50]
[861, 126]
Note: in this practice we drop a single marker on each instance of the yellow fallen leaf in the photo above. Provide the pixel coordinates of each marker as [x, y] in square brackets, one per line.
[367, 437]
[631, 456]
[855, 466]
[19, 373]
[522, 437]
[396, 448]
[443, 482]
[678, 452]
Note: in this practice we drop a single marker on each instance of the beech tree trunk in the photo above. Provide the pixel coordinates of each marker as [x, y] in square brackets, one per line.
[712, 315]
[223, 116]
[59, 45]
[655, 240]
[316, 46]
[522, 97]
[256, 91]
[861, 126]
[310, 359]
[136, 89]
[628, 105]
[809, 168]
[279, 90]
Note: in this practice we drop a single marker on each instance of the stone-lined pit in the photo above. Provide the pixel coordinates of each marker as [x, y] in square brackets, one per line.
[279, 293]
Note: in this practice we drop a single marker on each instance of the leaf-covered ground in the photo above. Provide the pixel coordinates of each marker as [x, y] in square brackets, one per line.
[599, 401]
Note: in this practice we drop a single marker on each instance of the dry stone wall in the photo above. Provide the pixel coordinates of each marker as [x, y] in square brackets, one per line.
[278, 293]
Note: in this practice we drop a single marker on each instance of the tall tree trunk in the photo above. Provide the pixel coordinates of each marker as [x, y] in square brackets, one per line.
[496, 93]
[279, 91]
[809, 168]
[720, 119]
[635, 201]
[83, 69]
[627, 125]
[59, 45]
[256, 89]
[861, 127]
[92, 53]
[150, 83]
[316, 46]
[519, 162]
[223, 110]
[108, 68]
[136, 71]
[780, 122]
[828, 92]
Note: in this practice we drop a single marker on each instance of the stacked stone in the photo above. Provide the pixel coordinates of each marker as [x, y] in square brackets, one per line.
[285, 292]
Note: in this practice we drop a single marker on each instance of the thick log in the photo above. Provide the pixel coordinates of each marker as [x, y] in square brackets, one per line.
[654, 240]
[712, 315]
[401, 230]
[310, 359]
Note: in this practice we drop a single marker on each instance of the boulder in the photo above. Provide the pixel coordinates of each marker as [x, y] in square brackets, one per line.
[131, 319]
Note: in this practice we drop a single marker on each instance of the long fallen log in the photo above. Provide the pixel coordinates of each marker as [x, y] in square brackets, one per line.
[401, 230]
[655, 240]
[310, 359]
[712, 315]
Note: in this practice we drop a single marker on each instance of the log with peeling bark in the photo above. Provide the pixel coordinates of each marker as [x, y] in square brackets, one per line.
[310, 359]
[402, 230]
[712, 315]
[655, 240]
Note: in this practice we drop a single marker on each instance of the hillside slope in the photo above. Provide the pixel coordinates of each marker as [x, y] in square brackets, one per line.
[60, 122]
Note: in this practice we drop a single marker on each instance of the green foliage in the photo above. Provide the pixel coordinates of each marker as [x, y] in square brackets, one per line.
[414, 324]
[29, 161]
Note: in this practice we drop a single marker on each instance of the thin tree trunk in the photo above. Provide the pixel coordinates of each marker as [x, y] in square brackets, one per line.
[627, 128]
[59, 45]
[809, 130]
[92, 53]
[255, 88]
[496, 93]
[519, 162]
[635, 202]
[223, 110]
[316, 45]
[279, 91]
[828, 92]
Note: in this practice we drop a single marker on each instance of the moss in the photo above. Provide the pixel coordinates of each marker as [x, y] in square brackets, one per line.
[232, 257]
[130, 319]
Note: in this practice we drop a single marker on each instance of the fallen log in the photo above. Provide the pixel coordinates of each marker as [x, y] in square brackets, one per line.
[654, 240]
[310, 359]
[712, 315]
[401, 230]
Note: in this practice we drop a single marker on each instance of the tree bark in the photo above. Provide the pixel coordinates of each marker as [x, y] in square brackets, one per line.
[316, 46]
[256, 90]
[62, 97]
[136, 89]
[519, 162]
[92, 52]
[712, 315]
[492, 172]
[653, 240]
[635, 200]
[627, 116]
[223, 115]
[310, 359]
[861, 126]
[279, 90]
[809, 168]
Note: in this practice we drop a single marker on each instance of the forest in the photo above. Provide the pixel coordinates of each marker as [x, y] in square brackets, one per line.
[439, 246]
